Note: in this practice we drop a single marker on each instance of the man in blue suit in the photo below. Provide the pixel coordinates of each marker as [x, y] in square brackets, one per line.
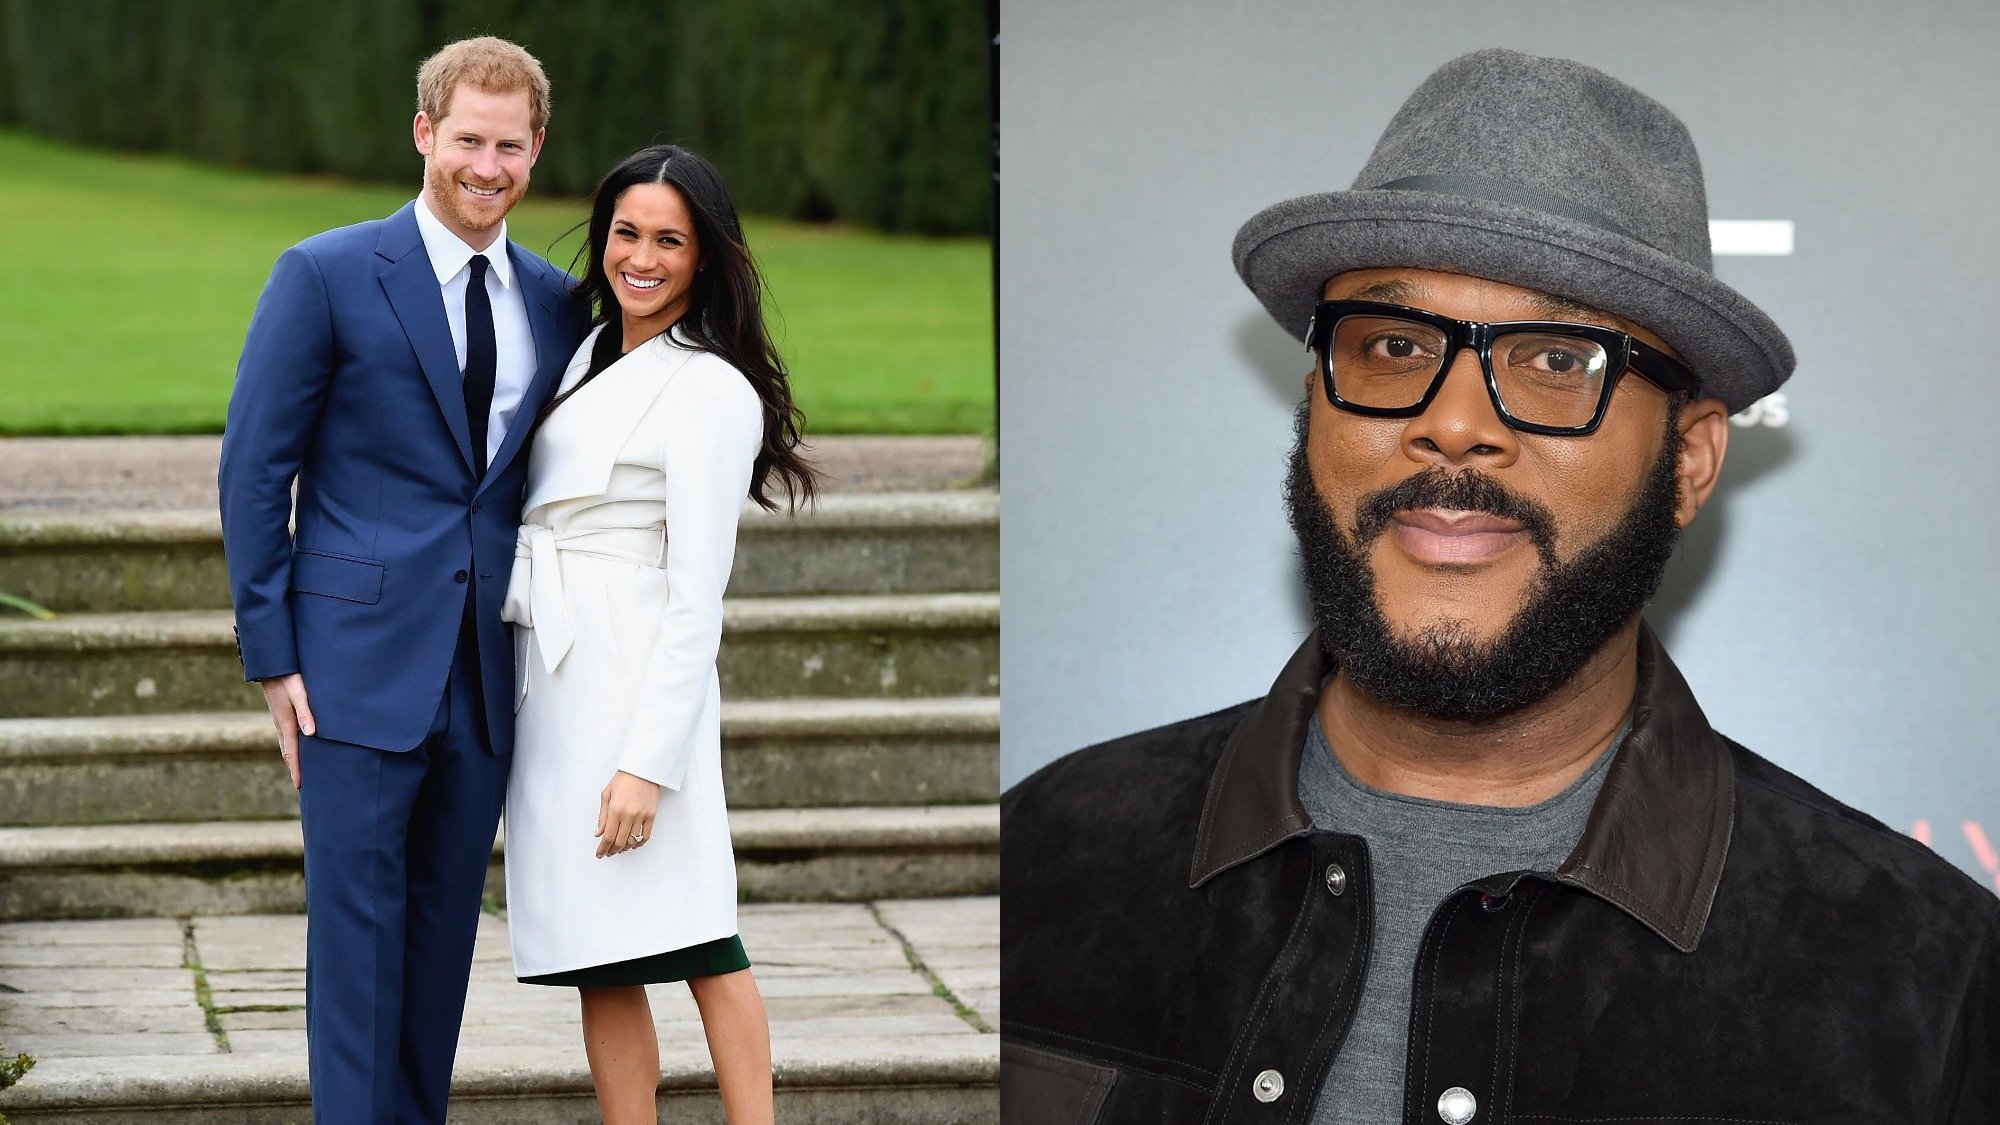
[394, 370]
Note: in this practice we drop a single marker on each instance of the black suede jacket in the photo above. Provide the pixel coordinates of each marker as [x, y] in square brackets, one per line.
[1726, 944]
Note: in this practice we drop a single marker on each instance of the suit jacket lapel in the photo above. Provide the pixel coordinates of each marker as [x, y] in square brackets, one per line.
[412, 288]
[551, 358]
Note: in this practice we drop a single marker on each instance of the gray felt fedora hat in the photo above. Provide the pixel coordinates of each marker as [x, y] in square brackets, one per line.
[1543, 173]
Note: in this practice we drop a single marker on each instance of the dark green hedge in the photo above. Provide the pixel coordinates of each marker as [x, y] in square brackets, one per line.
[874, 112]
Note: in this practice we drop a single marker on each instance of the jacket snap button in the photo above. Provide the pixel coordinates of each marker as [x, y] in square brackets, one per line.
[1457, 1105]
[1269, 1087]
[1336, 880]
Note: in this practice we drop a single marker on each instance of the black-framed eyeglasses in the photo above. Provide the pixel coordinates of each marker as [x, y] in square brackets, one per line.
[1544, 376]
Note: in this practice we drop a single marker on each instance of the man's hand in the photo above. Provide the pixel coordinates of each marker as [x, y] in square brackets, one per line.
[286, 697]
[625, 813]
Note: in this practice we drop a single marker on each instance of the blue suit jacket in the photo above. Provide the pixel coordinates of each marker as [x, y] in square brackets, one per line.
[349, 383]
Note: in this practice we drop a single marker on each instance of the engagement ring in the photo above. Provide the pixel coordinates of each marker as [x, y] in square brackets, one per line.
[638, 837]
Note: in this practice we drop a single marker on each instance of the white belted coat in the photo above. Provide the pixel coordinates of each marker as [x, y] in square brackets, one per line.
[634, 488]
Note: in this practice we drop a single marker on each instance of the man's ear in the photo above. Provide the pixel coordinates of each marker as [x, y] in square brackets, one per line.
[535, 147]
[421, 132]
[1704, 426]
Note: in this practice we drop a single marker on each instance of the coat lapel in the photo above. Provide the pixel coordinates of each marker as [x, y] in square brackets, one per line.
[542, 301]
[580, 445]
[412, 288]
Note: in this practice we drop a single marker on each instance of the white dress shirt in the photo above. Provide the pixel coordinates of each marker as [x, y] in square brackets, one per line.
[514, 342]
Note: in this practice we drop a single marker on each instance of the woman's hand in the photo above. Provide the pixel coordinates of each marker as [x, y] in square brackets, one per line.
[625, 813]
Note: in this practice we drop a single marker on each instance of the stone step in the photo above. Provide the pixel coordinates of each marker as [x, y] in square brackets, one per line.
[886, 1080]
[879, 1012]
[254, 866]
[224, 765]
[885, 645]
[851, 543]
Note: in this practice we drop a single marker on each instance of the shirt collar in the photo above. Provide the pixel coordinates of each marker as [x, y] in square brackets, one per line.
[1653, 847]
[449, 253]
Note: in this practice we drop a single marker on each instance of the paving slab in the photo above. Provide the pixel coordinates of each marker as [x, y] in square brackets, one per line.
[61, 1044]
[950, 936]
[71, 978]
[235, 1023]
[235, 979]
[114, 931]
[857, 1032]
[59, 998]
[92, 954]
[169, 1017]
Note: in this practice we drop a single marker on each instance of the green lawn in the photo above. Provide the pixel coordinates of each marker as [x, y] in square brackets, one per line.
[126, 283]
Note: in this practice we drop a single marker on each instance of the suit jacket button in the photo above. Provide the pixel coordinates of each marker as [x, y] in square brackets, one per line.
[459, 577]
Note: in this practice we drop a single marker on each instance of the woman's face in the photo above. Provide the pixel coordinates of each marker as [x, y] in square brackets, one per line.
[650, 258]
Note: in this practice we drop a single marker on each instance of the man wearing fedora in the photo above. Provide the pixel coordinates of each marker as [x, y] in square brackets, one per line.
[1478, 856]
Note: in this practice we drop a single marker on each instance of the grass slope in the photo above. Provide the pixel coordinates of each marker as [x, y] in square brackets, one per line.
[126, 283]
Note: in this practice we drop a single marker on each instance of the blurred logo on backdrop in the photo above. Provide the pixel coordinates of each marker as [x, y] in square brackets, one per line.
[1755, 238]
[1773, 410]
[1774, 238]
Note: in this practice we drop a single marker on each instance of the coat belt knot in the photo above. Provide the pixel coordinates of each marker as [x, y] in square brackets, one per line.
[535, 596]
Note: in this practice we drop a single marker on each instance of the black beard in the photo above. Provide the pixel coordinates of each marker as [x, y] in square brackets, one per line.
[1572, 609]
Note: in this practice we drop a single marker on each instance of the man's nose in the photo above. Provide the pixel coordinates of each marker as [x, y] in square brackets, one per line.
[1460, 426]
[487, 164]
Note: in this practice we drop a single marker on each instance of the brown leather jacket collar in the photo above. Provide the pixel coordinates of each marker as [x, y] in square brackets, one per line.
[1655, 841]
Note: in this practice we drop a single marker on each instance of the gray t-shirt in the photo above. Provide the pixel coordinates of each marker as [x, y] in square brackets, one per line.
[1419, 851]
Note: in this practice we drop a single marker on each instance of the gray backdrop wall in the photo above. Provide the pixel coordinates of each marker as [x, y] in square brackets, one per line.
[1834, 608]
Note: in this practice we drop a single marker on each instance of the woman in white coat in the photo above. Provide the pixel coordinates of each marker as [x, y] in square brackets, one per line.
[675, 409]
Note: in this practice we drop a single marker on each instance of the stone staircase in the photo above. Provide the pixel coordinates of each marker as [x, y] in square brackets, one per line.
[860, 664]
[139, 780]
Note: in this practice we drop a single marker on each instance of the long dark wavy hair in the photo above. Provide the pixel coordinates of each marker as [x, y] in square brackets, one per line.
[725, 313]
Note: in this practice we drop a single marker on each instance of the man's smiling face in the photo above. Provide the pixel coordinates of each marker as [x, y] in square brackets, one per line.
[476, 159]
[1460, 567]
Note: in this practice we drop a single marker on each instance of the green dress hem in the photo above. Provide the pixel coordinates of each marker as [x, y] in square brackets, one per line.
[710, 958]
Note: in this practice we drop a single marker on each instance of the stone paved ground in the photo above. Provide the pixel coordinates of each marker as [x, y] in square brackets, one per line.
[151, 473]
[177, 997]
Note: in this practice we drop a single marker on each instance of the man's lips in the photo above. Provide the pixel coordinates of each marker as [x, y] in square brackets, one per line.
[1444, 537]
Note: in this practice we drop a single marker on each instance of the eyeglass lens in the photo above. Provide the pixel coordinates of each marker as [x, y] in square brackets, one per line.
[1544, 378]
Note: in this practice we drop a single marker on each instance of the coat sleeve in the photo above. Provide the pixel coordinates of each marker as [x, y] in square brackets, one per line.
[714, 430]
[282, 381]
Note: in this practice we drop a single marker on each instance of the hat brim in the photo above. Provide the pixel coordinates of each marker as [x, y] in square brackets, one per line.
[1286, 253]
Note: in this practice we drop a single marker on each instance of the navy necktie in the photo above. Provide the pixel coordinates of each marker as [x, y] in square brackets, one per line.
[482, 357]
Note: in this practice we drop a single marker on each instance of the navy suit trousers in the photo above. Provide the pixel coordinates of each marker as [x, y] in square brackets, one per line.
[397, 846]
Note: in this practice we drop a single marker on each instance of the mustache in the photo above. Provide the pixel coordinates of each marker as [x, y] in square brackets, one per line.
[1467, 490]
